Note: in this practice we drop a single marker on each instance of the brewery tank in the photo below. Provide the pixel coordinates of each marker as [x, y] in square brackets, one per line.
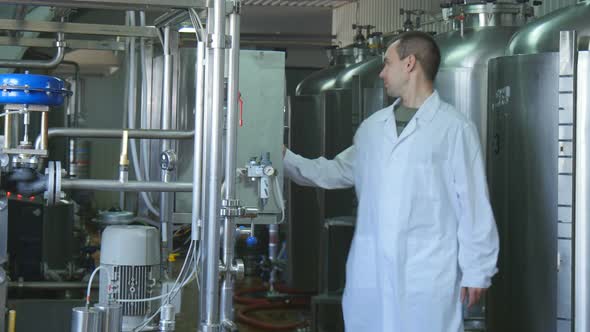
[533, 93]
[481, 32]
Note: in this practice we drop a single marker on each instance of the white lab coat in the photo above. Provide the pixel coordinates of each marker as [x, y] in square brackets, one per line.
[425, 227]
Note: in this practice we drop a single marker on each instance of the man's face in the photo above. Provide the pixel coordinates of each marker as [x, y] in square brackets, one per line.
[394, 73]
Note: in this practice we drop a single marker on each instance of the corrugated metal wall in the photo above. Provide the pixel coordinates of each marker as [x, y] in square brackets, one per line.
[384, 14]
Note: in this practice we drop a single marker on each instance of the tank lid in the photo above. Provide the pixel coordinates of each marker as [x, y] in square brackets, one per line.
[488, 14]
[542, 35]
[349, 55]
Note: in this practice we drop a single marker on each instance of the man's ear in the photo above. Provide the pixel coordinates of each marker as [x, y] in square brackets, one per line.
[411, 63]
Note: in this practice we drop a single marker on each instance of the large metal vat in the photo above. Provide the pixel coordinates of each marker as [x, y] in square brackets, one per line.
[325, 79]
[542, 35]
[322, 120]
[465, 52]
[532, 160]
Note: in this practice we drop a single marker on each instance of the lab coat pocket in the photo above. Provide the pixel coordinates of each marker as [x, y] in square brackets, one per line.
[425, 201]
[361, 271]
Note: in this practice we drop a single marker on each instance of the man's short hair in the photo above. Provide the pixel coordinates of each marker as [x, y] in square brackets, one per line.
[423, 47]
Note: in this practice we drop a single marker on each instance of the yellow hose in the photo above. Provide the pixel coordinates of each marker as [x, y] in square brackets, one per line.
[12, 321]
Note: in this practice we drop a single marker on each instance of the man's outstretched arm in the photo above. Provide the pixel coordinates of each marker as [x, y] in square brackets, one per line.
[321, 172]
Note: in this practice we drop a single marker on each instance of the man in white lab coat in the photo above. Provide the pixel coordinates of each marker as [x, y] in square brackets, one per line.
[425, 238]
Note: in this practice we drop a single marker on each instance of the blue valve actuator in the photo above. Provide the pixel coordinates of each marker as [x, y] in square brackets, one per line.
[251, 241]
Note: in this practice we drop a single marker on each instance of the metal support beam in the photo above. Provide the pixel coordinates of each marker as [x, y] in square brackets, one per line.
[113, 4]
[79, 28]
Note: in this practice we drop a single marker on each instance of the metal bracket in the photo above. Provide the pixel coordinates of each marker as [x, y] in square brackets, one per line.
[21, 107]
[213, 42]
[237, 269]
[231, 208]
[237, 6]
[30, 152]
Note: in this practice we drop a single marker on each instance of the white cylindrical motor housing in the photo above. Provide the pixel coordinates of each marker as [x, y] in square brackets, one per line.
[132, 255]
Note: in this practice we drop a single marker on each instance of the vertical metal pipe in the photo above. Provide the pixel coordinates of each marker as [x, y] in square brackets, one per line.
[210, 322]
[208, 65]
[198, 143]
[199, 154]
[7, 130]
[166, 198]
[582, 197]
[227, 287]
[131, 102]
[44, 130]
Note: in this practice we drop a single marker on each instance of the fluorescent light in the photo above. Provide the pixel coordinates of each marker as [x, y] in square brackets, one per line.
[186, 29]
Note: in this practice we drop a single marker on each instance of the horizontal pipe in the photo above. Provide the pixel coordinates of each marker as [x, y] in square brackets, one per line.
[118, 133]
[73, 44]
[37, 64]
[115, 133]
[50, 285]
[136, 186]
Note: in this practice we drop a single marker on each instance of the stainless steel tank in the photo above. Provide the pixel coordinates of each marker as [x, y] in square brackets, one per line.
[324, 79]
[324, 114]
[482, 35]
[321, 124]
[481, 32]
[531, 169]
[542, 35]
[368, 94]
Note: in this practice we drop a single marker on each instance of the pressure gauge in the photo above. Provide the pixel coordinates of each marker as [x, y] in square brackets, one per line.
[168, 160]
[268, 170]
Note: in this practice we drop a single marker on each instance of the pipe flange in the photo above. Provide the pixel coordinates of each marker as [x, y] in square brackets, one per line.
[49, 195]
[58, 174]
[53, 194]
